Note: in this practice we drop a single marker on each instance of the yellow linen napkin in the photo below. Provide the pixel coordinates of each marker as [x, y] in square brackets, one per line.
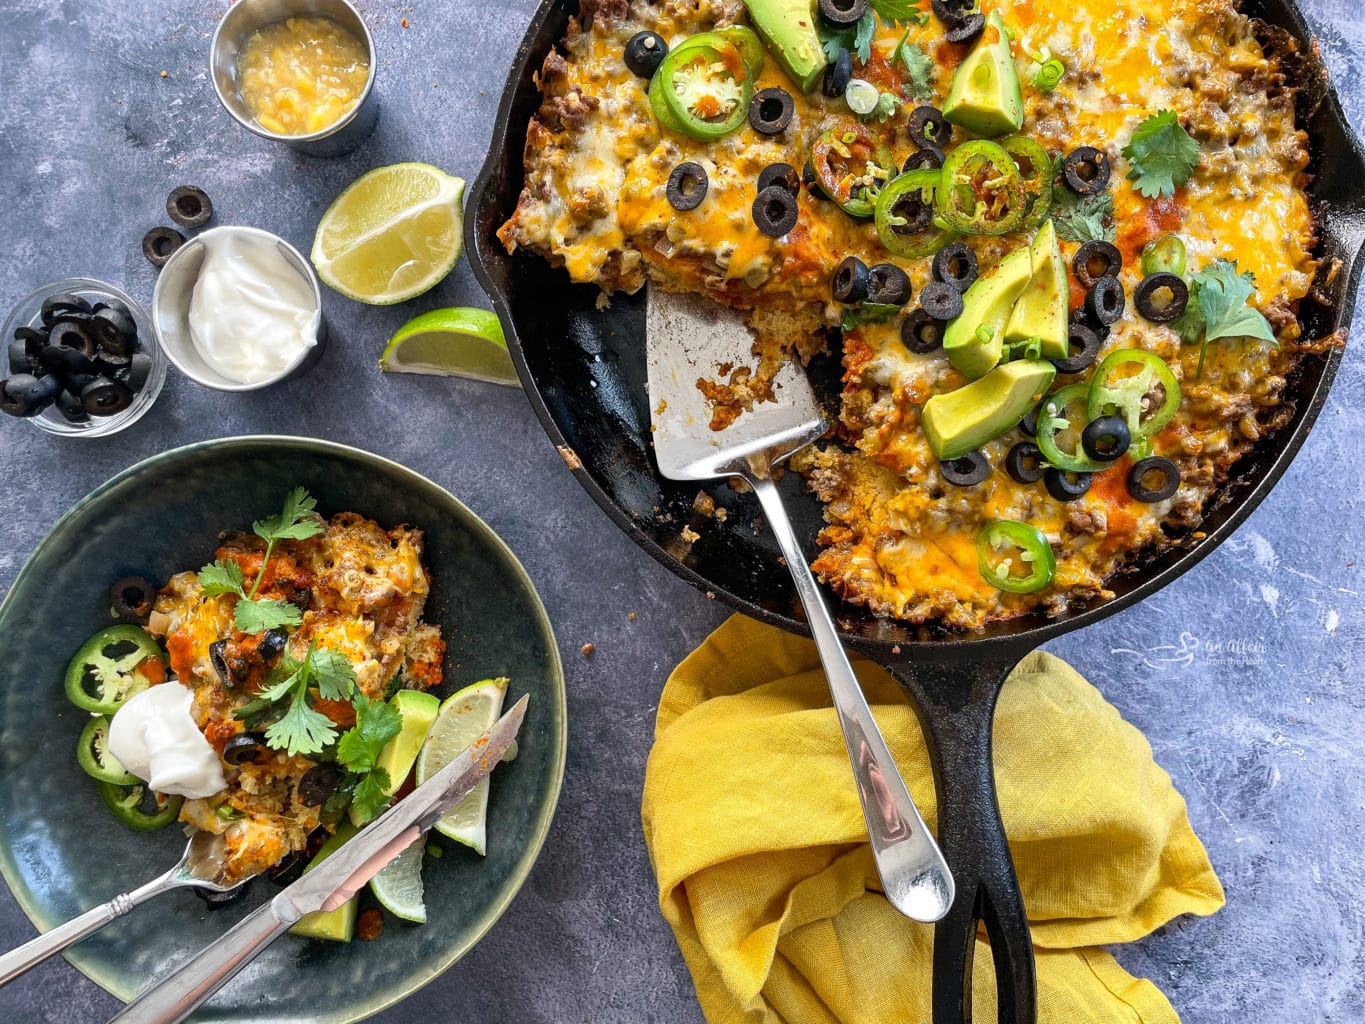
[765, 876]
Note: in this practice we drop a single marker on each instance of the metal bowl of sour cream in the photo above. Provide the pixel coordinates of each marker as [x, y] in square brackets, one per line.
[238, 309]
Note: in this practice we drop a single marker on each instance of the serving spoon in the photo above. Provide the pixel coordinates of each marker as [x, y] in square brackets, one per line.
[200, 866]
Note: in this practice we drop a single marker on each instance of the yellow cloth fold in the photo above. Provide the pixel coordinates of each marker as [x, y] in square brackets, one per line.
[759, 847]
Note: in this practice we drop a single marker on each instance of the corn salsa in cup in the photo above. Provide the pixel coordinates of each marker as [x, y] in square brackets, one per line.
[301, 75]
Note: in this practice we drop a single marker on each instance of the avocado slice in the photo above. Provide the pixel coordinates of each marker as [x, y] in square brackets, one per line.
[963, 420]
[1041, 311]
[788, 27]
[418, 711]
[337, 925]
[987, 304]
[984, 96]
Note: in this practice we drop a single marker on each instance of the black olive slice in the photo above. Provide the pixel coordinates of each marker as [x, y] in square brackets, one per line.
[317, 784]
[1025, 463]
[1096, 259]
[77, 382]
[1029, 424]
[1104, 302]
[927, 127]
[926, 157]
[850, 281]
[131, 598]
[950, 12]
[921, 333]
[71, 336]
[1143, 488]
[1086, 170]
[64, 361]
[955, 265]
[62, 302]
[645, 51]
[1161, 297]
[70, 407]
[888, 284]
[838, 75]
[110, 303]
[941, 301]
[771, 110]
[105, 397]
[812, 181]
[272, 644]
[1081, 317]
[916, 214]
[26, 395]
[687, 186]
[114, 331]
[783, 175]
[967, 29]
[160, 244]
[1065, 485]
[218, 659]
[189, 206]
[966, 470]
[842, 13]
[1106, 438]
[17, 358]
[138, 370]
[213, 899]
[775, 211]
[289, 870]
[246, 747]
[1084, 347]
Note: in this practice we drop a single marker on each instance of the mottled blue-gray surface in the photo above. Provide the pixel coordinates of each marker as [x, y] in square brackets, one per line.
[1245, 674]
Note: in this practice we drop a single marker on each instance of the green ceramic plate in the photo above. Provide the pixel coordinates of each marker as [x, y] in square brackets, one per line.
[61, 852]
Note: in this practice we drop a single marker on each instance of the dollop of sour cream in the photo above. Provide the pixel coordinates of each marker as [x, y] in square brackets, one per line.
[251, 313]
[154, 736]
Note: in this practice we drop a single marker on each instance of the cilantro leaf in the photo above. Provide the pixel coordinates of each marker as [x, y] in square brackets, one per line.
[868, 313]
[333, 673]
[898, 12]
[1190, 324]
[862, 42]
[302, 729]
[918, 65]
[278, 684]
[1083, 218]
[857, 39]
[1224, 299]
[1163, 155]
[296, 520]
[371, 795]
[222, 577]
[260, 614]
[376, 722]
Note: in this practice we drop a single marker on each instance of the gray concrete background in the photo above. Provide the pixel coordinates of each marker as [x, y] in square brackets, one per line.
[1245, 674]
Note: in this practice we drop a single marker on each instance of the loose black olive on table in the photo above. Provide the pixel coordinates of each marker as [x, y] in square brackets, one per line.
[850, 281]
[1096, 259]
[1065, 485]
[771, 110]
[318, 783]
[888, 285]
[26, 395]
[838, 75]
[1084, 345]
[783, 175]
[955, 265]
[924, 158]
[62, 302]
[1104, 302]
[775, 211]
[941, 301]
[926, 127]
[842, 13]
[645, 51]
[967, 29]
[966, 470]
[1106, 438]
[113, 331]
[922, 333]
[687, 186]
[1141, 486]
[1086, 170]
[105, 397]
[247, 748]
[1024, 463]
[160, 244]
[130, 599]
[189, 206]
[1161, 297]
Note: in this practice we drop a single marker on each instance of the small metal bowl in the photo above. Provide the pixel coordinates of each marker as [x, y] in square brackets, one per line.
[27, 314]
[242, 20]
[171, 312]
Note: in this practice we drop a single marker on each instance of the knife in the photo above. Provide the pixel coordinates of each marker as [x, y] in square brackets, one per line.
[328, 885]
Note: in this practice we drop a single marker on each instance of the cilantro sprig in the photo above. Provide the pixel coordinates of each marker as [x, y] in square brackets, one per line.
[1162, 154]
[918, 65]
[297, 520]
[1219, 307]
[857, 38]
[868, 313]
[302, 729]
[376, 722]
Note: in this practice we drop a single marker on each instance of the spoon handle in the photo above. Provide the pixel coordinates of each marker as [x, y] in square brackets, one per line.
[35, 951]
[914, 875]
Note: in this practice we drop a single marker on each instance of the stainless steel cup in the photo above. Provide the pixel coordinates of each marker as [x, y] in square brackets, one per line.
[243, 19]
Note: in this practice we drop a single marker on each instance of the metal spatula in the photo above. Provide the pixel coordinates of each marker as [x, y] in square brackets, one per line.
[689, 337]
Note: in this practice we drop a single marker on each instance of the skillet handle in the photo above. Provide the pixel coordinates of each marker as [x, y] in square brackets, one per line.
[956, 706]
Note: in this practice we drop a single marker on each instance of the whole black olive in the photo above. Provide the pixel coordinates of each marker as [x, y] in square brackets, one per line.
[1096, 259]
[1106, 438]
[783, 175]
[888, 284]
[941, 301]
[842, 13]
[850, 280]
[138, 370]
[966, 470]
[927, 127]
[920, 332]
[771, 110]
[1104, 302]
[246, 748]
[27, 395]
[1084, 347]
[955, 265]
[687, 186]
[160, 244]
[214, 899]
[105, 397]
[189, 206]
[926, 157]
[775, 211]
[272, 644]
[131, 599]
[72, 336]
[114, 331]
[1144, 489]
[70, 407]
[967, 29]
[1024, 463]
[1065, 485]
[61, 302]
[1161, 297]
[1086, 170]
[838, 75]
[318, 783]
[645, 51]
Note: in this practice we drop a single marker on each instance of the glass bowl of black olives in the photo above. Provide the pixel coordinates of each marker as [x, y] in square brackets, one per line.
[80, 359]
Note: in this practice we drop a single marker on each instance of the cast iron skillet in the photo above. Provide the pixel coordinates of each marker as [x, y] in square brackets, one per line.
[584, 371]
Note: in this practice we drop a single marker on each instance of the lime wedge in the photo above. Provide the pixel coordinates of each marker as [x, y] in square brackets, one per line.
[460, 342]
[392, 234]
[462, 718]
[419, 711]
[398, 886]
